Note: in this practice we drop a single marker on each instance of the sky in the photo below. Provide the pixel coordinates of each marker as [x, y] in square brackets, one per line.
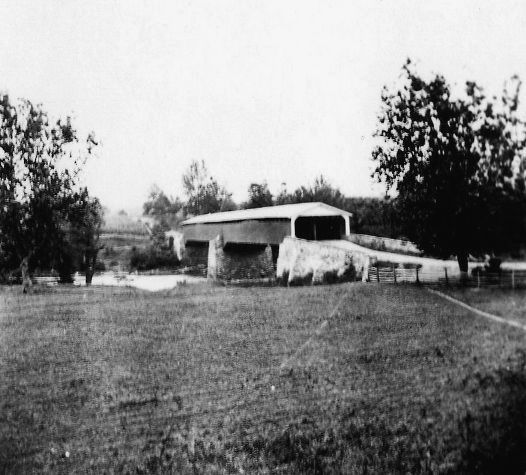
[275, 91]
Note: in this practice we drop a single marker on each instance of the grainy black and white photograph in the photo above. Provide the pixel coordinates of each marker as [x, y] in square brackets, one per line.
[262, 237]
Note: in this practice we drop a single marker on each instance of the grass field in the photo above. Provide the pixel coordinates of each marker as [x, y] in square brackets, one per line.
[223, 379]
[506, 303]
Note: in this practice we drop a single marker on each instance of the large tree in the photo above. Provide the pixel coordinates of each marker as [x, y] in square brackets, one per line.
[159, 204]
[85, 219]
[39, 164]
[166, 210]
[203, 192]
[259, 196]
[456, 164]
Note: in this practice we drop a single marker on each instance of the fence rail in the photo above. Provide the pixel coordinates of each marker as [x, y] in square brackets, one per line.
[514, 279]
[395, 275]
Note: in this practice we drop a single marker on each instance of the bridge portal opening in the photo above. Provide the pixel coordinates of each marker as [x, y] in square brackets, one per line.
[318, 228]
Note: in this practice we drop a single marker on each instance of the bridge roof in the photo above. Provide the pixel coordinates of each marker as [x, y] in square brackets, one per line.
[270, 212]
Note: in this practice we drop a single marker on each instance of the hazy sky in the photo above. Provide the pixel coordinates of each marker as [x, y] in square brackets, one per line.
[261, 90]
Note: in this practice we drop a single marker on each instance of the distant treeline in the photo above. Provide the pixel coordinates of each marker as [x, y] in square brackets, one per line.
[202, 194]
[375, 216]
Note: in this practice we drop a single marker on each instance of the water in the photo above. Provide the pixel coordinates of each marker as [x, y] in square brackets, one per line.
[145, 282]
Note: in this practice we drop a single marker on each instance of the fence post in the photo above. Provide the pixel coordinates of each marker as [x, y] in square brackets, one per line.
[378, 274]
[447, 280]
[478, 280]
[417, 280]
[394, 274]
[512, 278]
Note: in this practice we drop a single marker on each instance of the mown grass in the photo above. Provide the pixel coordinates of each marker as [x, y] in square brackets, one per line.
[506, 303]
[220, 379]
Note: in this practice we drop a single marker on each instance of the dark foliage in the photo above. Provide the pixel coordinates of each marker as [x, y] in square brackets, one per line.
[158, 233]
[457, 165]
[152, 258]
[40, 160]
[85, 219]
[167, 210]
[321, 190]
[203, 193]
[374, 216]
[259, 196]
[158, 204]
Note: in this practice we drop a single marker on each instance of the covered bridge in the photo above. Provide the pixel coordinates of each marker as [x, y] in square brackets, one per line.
[246, 234]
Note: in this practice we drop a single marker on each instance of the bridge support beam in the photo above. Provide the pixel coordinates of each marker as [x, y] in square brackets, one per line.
[347, 225]
[293, 227]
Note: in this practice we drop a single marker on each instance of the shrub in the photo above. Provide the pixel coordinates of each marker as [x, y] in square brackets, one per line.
[479, 270]
[100, 266]
[284, 279]
[65, 266]
[152, 258]
[301, 280]
[493, 265]
[349, 272]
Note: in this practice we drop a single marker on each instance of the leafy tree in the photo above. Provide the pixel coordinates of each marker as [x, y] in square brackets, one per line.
[158, 233]
[259, 196]
[323, 191]
[456, 163]
[227, 203]
[375, 216]
[283, 197]
[158, 204]
[39, 163]
[203, 193]
[85, 223]
[153, 257]
[320, 190]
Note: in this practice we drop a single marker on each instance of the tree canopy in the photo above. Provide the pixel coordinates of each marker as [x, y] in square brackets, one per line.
[40, 160]
[166, 210]
[159, 204]
[203, 192]
[259, 196]
[374, 216]
[455, 163]
[85, 219]
[321, 190]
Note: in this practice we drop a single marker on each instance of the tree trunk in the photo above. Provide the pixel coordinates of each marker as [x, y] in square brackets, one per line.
[462, 258]
[26, 278]
[91, 260]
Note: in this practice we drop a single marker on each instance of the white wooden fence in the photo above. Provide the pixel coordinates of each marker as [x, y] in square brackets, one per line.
[396, 275]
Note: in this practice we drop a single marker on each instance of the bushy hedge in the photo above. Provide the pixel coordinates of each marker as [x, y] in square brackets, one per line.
[152, 258]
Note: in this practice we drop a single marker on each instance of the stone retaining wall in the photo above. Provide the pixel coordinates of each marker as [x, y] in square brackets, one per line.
[314, 262]
[238, 262]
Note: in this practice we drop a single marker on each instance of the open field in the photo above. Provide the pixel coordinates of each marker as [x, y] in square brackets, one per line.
[224, 379]
[506, 303]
